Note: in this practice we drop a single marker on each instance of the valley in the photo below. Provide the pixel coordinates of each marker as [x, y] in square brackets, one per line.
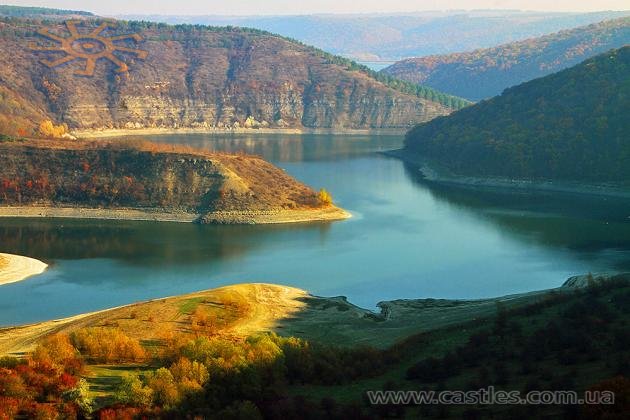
[225, 222]
[402, 35]
[484, 73]
[455, 244]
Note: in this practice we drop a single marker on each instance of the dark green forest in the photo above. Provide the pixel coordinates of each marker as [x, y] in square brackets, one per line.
[572, 125]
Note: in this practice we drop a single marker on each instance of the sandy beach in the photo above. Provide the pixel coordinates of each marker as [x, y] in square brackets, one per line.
[14, 268]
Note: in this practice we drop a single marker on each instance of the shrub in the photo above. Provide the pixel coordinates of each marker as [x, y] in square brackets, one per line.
[80, 397]
[58, 351]
[9, 362]
[131, 391]
[201, 320]
[107, 345]
[186, 371]
[9, 407]
[37, 390]
[163, 387]
[324, 198]
[48, 129]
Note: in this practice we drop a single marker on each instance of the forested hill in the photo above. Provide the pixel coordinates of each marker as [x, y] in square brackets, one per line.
[487, 72]
[21, 11]
[194, 76]
[572, 125]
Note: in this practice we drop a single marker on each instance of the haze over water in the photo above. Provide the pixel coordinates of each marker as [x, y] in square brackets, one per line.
[407, 239]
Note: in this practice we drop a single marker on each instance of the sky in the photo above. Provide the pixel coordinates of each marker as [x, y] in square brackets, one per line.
[281, 7]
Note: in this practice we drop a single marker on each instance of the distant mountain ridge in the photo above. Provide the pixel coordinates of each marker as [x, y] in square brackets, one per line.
[484, 73]
[391, 37]
[24, 11]
[569, 126]
[201, 77]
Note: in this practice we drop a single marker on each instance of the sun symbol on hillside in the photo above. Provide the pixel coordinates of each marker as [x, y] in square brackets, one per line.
[89, 47]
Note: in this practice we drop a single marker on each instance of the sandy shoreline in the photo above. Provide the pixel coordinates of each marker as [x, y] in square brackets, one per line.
[331, 213]
[157, 215]
[122, 132]
[14, 268]
[100, 214]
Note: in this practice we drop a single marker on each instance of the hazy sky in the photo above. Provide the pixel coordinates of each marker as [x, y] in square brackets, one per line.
[255, 7]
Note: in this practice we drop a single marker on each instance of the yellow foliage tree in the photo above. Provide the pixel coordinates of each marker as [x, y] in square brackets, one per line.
[107, 345]
[55, 350]
[165, 392]
[324, 197]
[48, 129]
[191, 372]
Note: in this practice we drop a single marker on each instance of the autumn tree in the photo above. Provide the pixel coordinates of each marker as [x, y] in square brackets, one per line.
[48, 129]
[324, 197]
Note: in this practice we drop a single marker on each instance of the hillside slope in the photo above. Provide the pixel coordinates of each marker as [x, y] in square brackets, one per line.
[572, 125]
[487, 72]
[192, 76]
[117, 180]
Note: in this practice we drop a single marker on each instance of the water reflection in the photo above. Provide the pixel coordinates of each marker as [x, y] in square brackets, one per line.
[144, 243]
[408, 239]
[592, 226]
[284, 147]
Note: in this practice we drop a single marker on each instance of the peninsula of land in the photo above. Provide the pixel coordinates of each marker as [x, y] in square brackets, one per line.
[118, 180]
[14, 268]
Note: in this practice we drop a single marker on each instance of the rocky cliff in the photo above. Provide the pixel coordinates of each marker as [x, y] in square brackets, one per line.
[187, 76]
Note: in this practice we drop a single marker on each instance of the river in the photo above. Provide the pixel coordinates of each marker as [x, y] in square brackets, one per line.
[407, 239]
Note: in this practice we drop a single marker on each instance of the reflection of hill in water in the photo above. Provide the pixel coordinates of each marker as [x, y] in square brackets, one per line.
[592, 226]
[142, 242]
[286, 148]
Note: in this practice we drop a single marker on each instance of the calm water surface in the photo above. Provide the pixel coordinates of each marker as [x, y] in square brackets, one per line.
[407, 239]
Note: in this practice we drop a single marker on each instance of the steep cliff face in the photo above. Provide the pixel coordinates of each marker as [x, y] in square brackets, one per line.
[197, 77]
